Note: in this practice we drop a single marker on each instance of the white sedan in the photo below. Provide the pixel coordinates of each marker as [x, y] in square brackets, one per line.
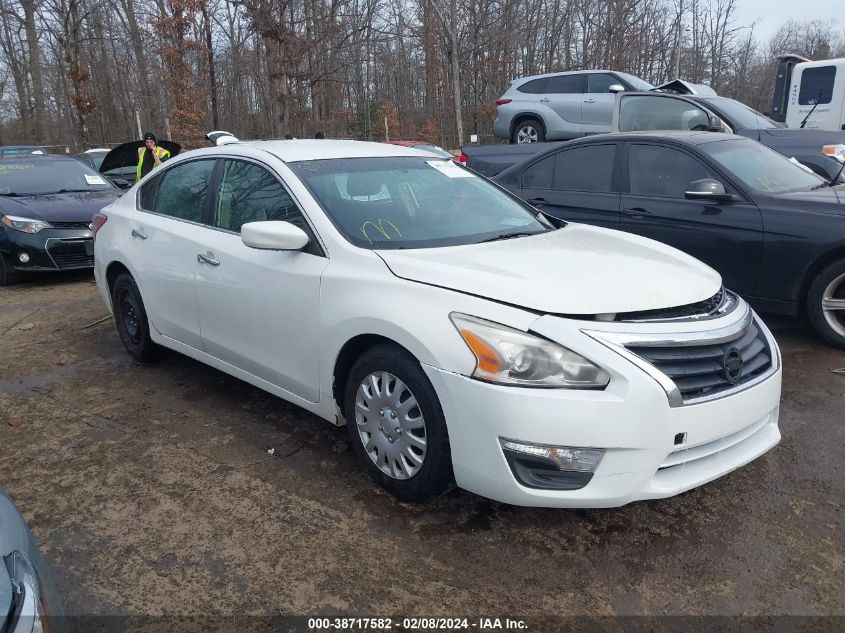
[458, 334]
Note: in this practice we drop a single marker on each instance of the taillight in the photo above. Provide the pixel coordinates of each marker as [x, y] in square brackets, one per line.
[462, 159]
[502, 101]
[97, 222]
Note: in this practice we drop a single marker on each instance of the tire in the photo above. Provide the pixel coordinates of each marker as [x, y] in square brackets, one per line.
[131, 320]
[826, 304]
[383, 381]
[530, 130]
[7, 275]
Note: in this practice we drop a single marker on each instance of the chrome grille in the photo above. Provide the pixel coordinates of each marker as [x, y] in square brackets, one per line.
[706, 369]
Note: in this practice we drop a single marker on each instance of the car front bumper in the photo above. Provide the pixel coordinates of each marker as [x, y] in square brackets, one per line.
[632, 420]
[48, 250]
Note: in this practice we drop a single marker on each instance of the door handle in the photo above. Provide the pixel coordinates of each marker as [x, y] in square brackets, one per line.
[139, 232]
[538, 201]
[590, 100]
[637, 213]
[208, 258]
[544, 100]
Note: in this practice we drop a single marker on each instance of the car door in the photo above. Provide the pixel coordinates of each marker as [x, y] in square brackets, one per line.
[166, 236]
[564, 94]
[579, 184]
[259, 309]
[726, 235]
[597, 109]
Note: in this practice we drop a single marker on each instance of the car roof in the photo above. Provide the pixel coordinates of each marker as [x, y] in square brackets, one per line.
[564, 72]
[409, 143]
[318, 149]
[693, 137]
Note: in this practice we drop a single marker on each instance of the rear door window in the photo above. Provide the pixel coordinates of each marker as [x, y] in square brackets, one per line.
[540, 175]
[586, 169]
[184, 190]
[817, 85]
[639, 112]
[566, 84]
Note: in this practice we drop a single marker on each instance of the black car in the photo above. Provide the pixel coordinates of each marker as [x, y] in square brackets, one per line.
[773, 229]
[652, 111]
[46, 205]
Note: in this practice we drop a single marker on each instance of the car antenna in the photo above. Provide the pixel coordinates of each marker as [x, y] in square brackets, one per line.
[813, 109]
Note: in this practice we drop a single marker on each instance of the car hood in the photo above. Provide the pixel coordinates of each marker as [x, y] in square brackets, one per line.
[126, 155]
[829, 199]
[805, 136]
[59, 207]
[576, 270]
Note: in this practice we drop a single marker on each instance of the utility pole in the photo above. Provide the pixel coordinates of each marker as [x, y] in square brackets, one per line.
[678, 42]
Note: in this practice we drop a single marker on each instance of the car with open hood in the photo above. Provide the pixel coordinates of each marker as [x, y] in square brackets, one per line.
[460, 335]
[120, 163]
[46, 206]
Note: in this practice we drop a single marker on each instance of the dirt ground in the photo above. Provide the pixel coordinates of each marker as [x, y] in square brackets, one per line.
[151, 492]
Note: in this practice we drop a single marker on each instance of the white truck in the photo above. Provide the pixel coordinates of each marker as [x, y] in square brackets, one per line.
[810, 94]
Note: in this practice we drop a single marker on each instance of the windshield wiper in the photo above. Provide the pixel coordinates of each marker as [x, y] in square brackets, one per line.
[507, 236]
[68, 191]
[813, 109]
[12, 194]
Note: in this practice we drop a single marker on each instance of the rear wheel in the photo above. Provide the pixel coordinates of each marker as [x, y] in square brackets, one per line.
[7, 275]
[826, 304]
[528, 131]
[131, 320]
[396, 425]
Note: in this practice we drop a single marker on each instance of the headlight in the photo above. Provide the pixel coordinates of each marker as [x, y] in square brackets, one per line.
[24, 224]
[510, 357]
[28, 608]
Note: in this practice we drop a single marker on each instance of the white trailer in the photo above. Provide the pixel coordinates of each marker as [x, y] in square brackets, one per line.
[810, 94]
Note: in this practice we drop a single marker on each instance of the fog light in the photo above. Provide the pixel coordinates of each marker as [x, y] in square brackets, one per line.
[584, 460]
[23, 258]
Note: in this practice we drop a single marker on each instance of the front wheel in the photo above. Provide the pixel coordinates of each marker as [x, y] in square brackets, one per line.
[528, 131]
[826, 304]
[396, 425]
[130, 316]
[7, 275]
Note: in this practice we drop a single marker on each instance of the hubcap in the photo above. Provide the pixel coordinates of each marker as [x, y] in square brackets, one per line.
[833, 305]
[390, 425]
[526, 134]
[129, 318]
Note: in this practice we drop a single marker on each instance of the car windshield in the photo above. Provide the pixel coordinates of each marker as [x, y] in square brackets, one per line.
[414, 202]
[635, 82]
[761, 169]
[37, 176]
[741, 116]
[97, 159]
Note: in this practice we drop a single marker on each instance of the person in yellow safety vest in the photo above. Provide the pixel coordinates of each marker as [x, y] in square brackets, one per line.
[150, 156]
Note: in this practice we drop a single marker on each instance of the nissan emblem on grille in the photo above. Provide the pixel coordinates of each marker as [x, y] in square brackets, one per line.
[732, 363]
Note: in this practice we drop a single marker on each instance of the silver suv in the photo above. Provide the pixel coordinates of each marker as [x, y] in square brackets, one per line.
[561, 106]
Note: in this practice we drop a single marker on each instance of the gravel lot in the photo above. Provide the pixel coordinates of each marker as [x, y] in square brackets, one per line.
[151, 492]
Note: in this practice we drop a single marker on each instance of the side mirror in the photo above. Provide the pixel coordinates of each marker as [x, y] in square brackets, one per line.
[614, 88]
[121, 183]
[273, 236]
[707, 189]
[714, 123]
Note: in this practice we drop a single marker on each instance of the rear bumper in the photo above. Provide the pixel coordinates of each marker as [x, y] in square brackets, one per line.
[48, 250]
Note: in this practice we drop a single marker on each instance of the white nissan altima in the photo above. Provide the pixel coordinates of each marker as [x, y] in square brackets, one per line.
[459, 335]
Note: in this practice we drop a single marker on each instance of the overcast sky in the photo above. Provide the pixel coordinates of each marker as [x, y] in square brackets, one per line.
[771, 14]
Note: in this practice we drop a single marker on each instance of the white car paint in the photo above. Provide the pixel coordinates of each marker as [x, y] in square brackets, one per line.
[279, 320]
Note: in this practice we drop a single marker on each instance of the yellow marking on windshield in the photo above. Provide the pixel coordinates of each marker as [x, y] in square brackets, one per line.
[380, 228]
[767, 183]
